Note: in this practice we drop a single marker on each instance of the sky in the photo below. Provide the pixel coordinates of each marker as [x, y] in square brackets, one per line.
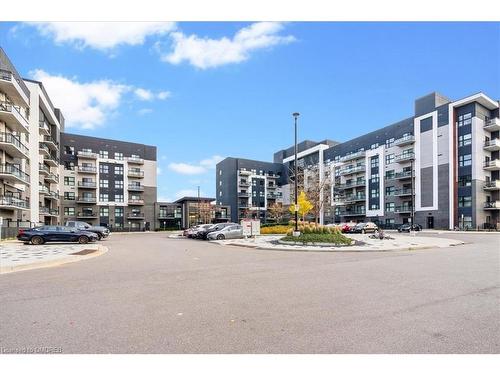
[204, 91]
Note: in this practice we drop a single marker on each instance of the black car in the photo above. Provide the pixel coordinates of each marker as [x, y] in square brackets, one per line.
[204, 233]
[408, 228]
[55, 233]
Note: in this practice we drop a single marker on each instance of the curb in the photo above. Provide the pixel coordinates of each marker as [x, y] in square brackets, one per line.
[53, 263]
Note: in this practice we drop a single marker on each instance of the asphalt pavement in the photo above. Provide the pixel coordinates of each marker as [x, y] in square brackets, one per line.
[152, 294]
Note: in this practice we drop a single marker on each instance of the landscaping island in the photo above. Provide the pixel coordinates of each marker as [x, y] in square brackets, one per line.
[311, 234]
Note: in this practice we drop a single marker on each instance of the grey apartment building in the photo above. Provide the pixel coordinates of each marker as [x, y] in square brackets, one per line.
[440, 166]
[108, 182]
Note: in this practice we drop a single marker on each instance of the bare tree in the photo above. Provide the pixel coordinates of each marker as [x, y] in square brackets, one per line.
[277, 212]
[317, 187]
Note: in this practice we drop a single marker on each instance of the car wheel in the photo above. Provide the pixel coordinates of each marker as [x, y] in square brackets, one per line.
[37, 240]
[83, 239]
[99, 236]
[220, 237]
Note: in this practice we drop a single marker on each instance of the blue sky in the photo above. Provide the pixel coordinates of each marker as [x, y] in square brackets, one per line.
[202, 91]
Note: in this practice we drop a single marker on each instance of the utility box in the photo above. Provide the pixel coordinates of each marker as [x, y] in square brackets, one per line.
[250, 227]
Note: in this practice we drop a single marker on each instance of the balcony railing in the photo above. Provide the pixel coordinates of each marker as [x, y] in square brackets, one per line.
[9, 201]
[135, 160]
[244, 183]
[492, 205]
[88, 215]
[44, 148]
[492, 185]
[135, 215]
[243, 195]
[407, 139]
[52, 177]
[354, 155]
[42, 189]
[352, 184]
[84, 199]
[492, 124]
[135, 173]
[86, 184]
[43, 127]
[403, 209]
[402, 192]
[85, 169]
[22, 91]
[9, 169]
[42, 168]
[135, 187]
[357, 212]
[16, 113]
[492, 144]
[43, 210]
[350, 170]
[87, 154]
[398, 175]
[355, 197]
[48, 139]
[136, 201]
[404, 157]
[12, 139]
[492, 164]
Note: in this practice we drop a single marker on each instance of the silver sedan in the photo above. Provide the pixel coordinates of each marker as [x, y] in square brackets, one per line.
[232, 231]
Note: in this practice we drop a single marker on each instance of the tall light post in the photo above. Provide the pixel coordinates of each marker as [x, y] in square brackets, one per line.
[295, 116]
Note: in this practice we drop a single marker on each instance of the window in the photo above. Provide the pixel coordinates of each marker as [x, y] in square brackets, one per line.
[389, 159]
[103, 168]
[374, 161]
[465, 180]
[103, 183]
[389, 142]
[464, 140]
[118, 169]
[375, 193]
[375, 178]
[69, 195]
[464, 160]
[69, 181]
[118, 197]
[103, 197]
[374, 146]
[69, 211]
[390, 190]
[119, 155]
[389, 222]
[69, 165]
[118, 211]
[103, 154]
[104, 211]
[69, 150]
[374, 206]
[465, 119]
[467, 222]
[465, 201]
[390, 207]
[119, 184]
[389, 174]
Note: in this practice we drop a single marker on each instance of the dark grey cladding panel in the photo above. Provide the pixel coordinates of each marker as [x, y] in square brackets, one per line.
[6, 64]
[429, 103]
[426, 186]
[443, 114]
[425, 124]
[96, 144]
[468, 108]
[396, 131]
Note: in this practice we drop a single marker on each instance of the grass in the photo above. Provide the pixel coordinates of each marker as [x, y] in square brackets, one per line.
[336, 238]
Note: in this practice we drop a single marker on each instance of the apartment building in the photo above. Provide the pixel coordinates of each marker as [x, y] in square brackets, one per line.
[108, 182]
[440, 168]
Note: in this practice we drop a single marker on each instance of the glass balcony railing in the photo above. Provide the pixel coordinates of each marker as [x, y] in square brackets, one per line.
[10, 201]
[12, 170]
[14, 140]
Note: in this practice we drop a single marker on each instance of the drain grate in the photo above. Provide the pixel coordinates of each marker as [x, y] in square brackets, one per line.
[84, 252]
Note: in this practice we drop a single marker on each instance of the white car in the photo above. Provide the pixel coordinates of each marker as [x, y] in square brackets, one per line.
[232, 231]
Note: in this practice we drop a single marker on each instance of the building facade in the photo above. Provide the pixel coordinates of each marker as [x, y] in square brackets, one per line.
[440, 168]
[108, 182]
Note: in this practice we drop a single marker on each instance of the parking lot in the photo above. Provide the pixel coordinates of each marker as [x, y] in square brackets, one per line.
[153, 294]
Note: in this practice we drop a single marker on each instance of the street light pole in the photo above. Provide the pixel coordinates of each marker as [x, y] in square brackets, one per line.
[295, 116]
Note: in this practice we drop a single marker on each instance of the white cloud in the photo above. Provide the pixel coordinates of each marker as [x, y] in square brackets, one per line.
[102, 35]
[162, 95]
[84, 105]
[207, 53]
[144, 94]
[196, 168]
[144, 111]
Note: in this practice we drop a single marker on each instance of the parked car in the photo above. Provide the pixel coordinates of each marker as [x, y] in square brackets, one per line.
[409, 227]
[198, 233]
[55, 233]
[347, 227]
[214, 228]
[231, 231]
[191, 232]
[102, 232]
[365, 228]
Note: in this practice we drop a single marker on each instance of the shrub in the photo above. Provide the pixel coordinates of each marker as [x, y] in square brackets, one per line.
[335, 238]
[276, 229]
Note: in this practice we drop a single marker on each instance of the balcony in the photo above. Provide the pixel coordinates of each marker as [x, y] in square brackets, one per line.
[135, 160]
[352, 184]
[11, 203]
[87, 154]
[87, 215]
[402, 192]
[12, 87]
[492, 205]
[52, 160]
[492, 145]
[351, 170]
[11, 173]
[43, 190]
[43, 128]
[43, 169]
[492, 185]
[352, 156]
[52, 178]
[44, 149]
[273, 196]
[86, 199]
[492, 124]
[136, 202]
[492, 165]
[399, 175]
[243, 195]
[272, 176]
[242, 205]
[87, 185]
[358, 212]
[47, 211]
[403, 209]
[403, 141]
[355, 198]
[246, 173]
[11, 115]
[85, 169]
[272, 186]
[135, 215]
[135, 173]
[53, 195]
[244, 183]
[51, 142]
[13, 146]
[402, 158]
[135, 187]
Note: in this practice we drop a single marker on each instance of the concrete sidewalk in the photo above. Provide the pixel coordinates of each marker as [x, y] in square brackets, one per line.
[15, 256]
[399, 242]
